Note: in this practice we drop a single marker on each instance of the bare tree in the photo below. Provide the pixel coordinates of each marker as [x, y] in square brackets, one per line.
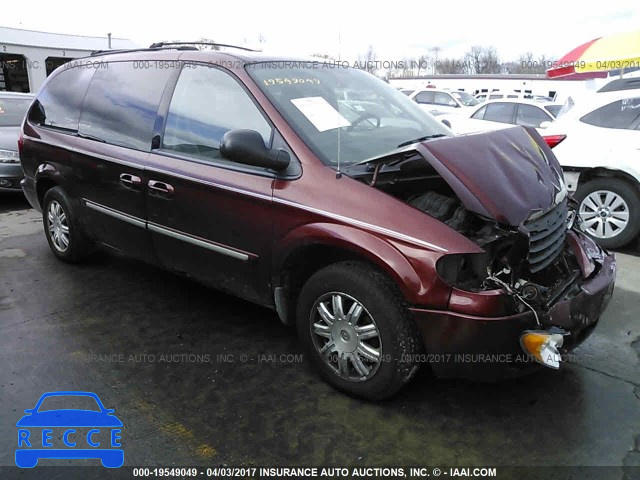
[482, 60]
[368, 61]
[527, 63]
[450, 65]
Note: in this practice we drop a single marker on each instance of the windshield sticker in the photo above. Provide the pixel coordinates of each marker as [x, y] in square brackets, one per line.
[320, 113]
[291, 81]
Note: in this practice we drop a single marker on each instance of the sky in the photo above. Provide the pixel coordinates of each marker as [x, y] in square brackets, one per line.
[340, 28]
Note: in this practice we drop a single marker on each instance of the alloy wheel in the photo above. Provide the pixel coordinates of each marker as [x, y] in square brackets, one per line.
[346, 336]
[58, 226]
[604, 214]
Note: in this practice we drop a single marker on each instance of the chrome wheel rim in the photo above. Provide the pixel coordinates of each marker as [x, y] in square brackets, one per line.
[604, 214]
[346, 336]
[58, 226]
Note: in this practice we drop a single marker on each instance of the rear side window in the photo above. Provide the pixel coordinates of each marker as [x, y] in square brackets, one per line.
[12, 111]
[621, 114]
[531, 116]
[121, 105]
[425, 97]
[60, 102]
[206, 104]
[500, 112]
[445, 99]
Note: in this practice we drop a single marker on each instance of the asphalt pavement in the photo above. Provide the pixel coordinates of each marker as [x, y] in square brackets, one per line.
[202, 378]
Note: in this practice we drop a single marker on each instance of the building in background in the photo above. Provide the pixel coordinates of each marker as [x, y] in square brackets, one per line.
[27, 57]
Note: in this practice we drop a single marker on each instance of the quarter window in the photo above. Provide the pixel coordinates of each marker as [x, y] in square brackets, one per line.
[60, 102]
[206, 104]
[620, 114]
[479, 115]
[122, 103]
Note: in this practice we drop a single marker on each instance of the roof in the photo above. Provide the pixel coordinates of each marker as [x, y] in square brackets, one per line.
[33, 38]
[527, 101]
[488, 76]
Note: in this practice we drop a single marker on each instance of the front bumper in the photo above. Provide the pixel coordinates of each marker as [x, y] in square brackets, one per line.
[10, 176]
[488, 348]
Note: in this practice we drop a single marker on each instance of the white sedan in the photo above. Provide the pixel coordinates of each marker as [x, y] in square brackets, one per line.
[504, 113]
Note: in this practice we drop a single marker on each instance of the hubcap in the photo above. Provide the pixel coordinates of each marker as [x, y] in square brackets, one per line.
[58, 226]
[346, 336]
[604, 214]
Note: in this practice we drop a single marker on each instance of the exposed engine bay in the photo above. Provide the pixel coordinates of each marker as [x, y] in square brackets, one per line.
[532, 261]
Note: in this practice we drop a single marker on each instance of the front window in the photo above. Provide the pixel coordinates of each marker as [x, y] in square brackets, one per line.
[372, 122]
[12, 111]
[465, 99]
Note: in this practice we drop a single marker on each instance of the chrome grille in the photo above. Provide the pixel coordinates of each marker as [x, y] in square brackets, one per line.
[546, 237]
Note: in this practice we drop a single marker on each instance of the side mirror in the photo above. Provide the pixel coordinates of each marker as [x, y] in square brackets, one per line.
[247, 146]
[546, 124]
[446, 122]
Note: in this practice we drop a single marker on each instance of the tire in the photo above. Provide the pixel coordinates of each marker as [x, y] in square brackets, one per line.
[382, 324]
[596, 198]
[60, 222]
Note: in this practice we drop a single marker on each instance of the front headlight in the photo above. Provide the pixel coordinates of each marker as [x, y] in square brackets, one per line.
[9, 156]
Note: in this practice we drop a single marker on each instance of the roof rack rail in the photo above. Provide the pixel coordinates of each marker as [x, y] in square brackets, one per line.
[215, 44]
[131, 50]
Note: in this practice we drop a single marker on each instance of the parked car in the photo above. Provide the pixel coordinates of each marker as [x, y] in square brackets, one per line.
[497, 114]
[13, 107]
[379, 235]
[597, 141]
[497, 95]
[433, 100]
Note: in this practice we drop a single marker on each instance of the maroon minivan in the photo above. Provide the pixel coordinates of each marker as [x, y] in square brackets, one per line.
[325, 194]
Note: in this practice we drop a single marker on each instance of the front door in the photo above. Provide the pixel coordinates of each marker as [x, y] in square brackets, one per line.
[208, 217]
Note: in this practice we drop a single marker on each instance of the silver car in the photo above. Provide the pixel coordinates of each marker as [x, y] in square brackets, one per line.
[13, 107]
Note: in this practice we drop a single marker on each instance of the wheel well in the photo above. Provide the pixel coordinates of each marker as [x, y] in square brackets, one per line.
[42, 187]
[593, 173]
[307, 260]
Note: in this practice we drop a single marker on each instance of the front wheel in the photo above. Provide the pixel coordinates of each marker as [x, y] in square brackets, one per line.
[610, 211]
[359, 335]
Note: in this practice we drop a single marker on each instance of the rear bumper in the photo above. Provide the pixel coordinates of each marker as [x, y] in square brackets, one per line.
[488, 348]
[10, 176]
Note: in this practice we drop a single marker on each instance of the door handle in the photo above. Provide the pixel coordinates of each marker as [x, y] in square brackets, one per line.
[160, 187]
[129, 180]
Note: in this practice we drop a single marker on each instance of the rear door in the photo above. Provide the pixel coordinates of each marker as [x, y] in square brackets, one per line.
[208, 217]
[115, 133]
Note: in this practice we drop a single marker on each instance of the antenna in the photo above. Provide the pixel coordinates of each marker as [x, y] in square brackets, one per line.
[339, 173]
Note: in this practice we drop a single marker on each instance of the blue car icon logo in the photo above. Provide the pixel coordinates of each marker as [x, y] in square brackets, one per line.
[69, 433]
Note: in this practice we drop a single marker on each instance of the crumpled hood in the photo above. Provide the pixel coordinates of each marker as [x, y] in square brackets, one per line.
[505, 174]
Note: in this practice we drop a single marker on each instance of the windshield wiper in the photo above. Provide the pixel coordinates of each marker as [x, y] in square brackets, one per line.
[91, 137]
[421, 139]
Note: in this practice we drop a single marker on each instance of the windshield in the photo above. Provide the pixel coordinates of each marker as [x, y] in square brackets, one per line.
[66, 402]
[370, 121]
[12, 111]
[465, 99]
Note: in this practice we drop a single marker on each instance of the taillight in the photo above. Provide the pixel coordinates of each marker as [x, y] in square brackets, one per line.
[20, 143]
[553, 140]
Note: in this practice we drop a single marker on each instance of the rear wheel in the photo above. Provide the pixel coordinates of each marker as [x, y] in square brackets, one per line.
[359, 335]
[610, 211]
[62, 228]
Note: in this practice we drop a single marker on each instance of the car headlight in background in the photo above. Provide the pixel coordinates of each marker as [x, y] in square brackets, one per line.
[9, 156]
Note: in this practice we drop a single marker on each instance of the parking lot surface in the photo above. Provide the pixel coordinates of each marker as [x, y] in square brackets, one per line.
[201, 378]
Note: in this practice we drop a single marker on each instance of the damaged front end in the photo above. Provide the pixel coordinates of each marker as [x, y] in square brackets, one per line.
[539, 285]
